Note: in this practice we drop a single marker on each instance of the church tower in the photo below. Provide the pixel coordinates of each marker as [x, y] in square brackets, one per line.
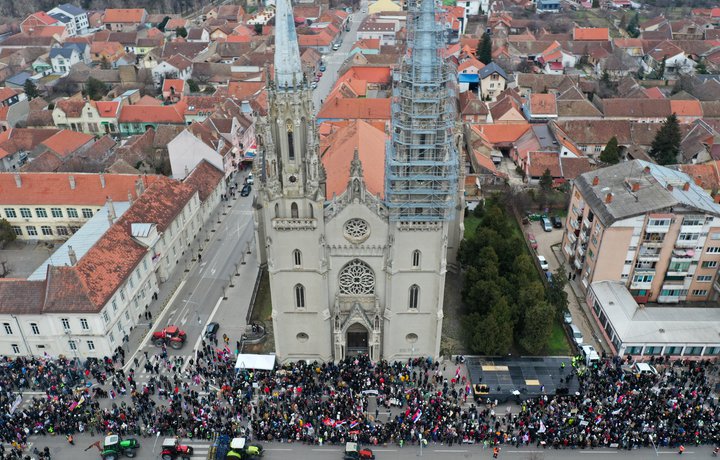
[421, 186]
[289, 204]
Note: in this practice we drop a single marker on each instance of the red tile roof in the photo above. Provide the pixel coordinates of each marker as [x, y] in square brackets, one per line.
[43, 18]
[591, 33]
[355, 109]
[56, 188]
[539, 162]
[22, 139]
[543, 104]
[177, 84]
[173, 114]
[496, 134]
[66, 142]
[107, 109]
[690, 108]
[7, 93]
[124, 15]
[204, 178]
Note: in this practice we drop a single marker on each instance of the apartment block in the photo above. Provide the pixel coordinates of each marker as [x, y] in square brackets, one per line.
[647, 226]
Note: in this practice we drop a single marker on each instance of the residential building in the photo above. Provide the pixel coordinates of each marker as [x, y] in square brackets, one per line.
[176, 67]
[493, 81]
[124, 19]
[74, 19]
[17, 143]
[136, 119]
[91, 117]
[63, 58]
[647, 226]
[36, 21]
[197, 143]
[382, 30]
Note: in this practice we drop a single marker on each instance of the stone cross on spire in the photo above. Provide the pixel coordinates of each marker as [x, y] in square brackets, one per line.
[288, 69]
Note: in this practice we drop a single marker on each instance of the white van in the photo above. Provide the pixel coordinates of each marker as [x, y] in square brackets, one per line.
[590, 355]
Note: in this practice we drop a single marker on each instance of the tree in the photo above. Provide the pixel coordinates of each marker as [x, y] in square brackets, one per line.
[95, 89]
[632, 27]
[556, 294]
[537, 326]
[7, 234]
[701, 68]
[546, 181]
[30, 89]
[193, 86]
[104, 63]
[611, 154]
[596, 4]
[661, 71]
[484, 52]
[665, 147]
[181, 32]
[258, 29]
[490, 334]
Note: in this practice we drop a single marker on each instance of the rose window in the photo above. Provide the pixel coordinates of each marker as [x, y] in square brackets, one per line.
[357, 278]
[356, 230]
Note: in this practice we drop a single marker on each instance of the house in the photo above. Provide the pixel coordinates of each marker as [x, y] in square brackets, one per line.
[63, 58]
[199, 142]
[17, 143]
[90, 117]
[36, 21]
[176, 67]
[74, 18]
[136, 119]
[124, 19]
[591, 34]
[474, 7]
[701, 144]
[507, 109]
[548, 6]
[385, 31]
[198, 35]
[555, 59]
[472, 109]
[493, 81]
[468, 71]
[174, 89]
[562, 169]
[541, 107]
[671, 55]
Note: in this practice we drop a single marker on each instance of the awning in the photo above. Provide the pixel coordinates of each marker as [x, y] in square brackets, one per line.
[250, 361]
[251, 152]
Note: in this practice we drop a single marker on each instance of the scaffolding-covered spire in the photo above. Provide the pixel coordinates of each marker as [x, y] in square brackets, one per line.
[425, 46]
[288, 69]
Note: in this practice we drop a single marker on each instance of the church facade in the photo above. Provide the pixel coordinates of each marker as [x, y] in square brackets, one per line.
[359, 270]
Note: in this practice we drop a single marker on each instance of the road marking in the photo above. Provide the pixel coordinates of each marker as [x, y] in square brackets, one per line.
[454, 451]
[200, 336]
[212, 272]
[281, 450]
[385, 450]
[601, 452]
[524, 451]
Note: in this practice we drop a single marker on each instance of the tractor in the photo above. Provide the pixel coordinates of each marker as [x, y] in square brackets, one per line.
[353, 452]
[114, 447]
[241, 450]
[172, 449]
[171, 336]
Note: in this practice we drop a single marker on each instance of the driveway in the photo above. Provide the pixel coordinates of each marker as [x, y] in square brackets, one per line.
[549, 246]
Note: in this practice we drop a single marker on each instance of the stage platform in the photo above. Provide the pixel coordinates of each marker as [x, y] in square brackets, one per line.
[516, 379]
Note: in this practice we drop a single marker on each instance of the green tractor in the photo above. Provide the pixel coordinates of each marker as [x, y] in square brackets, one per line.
[240, 449]
[114, 447]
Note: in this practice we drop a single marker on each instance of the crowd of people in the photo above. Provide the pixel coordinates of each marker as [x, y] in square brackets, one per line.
[355, 400]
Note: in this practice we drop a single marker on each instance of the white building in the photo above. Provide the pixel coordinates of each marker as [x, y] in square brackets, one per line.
[75, 19]
[89, 294]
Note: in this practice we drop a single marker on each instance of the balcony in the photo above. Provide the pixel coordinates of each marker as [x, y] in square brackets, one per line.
[668, 299]
[653, 243]
[641, 285]
[586, 223]
[574, 224]
[658, 228]
[716, 285]
[686, 243]
[294, 224]
[572, 238]
[691, 228]
[578, 263]
[649, 255]
[581, 250]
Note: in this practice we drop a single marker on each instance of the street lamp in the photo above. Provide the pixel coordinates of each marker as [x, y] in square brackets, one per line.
[27, 347]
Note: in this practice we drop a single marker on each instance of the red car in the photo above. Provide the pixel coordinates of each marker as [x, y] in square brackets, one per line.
[533, 241]
[319, 74]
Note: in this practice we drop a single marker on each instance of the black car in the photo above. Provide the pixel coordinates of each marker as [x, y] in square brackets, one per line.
[556, 222]
[212, 329]
[245, 191]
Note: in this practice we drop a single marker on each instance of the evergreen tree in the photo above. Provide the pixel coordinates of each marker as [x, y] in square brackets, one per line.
[484, 53]
[701, 68]
[632, 27]
[193, 86]
[537, 326]
[666, 145]
[7, 234]
[611, 154]
[546, 181]
[95, 89]
[30, 89]
[596, 4]
[181, 32]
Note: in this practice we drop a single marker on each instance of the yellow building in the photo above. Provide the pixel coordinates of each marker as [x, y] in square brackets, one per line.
[384, 5]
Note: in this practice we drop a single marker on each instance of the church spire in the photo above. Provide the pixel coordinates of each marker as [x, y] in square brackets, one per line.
[425, 47]
[288, 69]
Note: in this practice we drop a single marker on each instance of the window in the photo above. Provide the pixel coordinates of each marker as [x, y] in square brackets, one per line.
[704, 278]
[642, 278]
[17, 230]
[144, 262]
[692, 351]
[65, 323]
[87, 213]
[35, 328]
[41, 212]
[127, 314]
[56, 212]
[84, 324]
[598, 148]
[8, 328]
[15, 348]
[72, 212]
[297, 258]
[414, 296]
[416, 259]
[91, 345]
[713, 250]
[72, 344]
[693, 221]
[710, 264]
[31, 230]
[10, 213]
[688, 236]
[356, 278]
[699, 292]
[659, 222]
[46, 230]
[106, 318]
[294, 210]
[114, 305]
[112, 337]
[74, 228]
[25, 212]
[299, 296]
[62, 230]
[122, 296]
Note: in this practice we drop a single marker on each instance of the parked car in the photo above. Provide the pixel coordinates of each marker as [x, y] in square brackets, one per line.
[546, 224]
[336, 46]
[543, 263]
[639, 369]
[567, 317]
[532, 240]
[556, 222]
[576, 334]
[211, 329]
[322, 67]
[245, 191]
[319, 74]
[250, 179]
[313, 85]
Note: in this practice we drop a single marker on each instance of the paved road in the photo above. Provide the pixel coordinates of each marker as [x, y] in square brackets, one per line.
[277, 451]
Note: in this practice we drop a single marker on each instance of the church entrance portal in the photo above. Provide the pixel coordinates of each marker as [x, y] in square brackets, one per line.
[357, 340]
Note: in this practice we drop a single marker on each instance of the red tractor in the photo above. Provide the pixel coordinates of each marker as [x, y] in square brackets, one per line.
[171, 336]
[172, 449]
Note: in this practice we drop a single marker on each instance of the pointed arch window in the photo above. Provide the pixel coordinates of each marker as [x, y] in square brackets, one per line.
[277, 210]
[294, 210]
[299, 296]
[312, 211]
[297, 258]
[414, 297]
[416, 259]
[291, 141]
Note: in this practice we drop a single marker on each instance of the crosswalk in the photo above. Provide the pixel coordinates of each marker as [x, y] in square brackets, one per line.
[200, 450]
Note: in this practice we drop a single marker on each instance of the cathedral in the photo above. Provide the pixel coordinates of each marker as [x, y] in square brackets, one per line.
[358, 238]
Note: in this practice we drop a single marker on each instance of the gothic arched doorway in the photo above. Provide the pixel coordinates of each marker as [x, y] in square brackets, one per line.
[357, 340]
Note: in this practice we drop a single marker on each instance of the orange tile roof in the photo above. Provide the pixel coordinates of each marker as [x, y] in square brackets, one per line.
[243, 90]
[654, 93]
[377, 75]
[538, 162]
[106, 109]
[66, 142]
[55, 188]
[44, 18]
[355, 109]
[368, 44]
[173, 114]
[496, 134]
[174, 23]
[320, 39]
[7, 93]
[686, 108]
[148, 100]
[472, 62]
[543, 104]
[177, 84]
[204, 178]
[338, 150]
[22, 139]
[124, 15]
[48, 31]
[705, 175]
[591, 33]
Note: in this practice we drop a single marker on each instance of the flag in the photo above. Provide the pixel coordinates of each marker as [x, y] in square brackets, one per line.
[542, 427]
[417, 416]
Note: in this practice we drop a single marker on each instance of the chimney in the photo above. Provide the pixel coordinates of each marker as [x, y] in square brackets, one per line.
[18, 180]
[130, 198]
[102, 180]
[245, 107]
[609, 197]
[596, 180]
[187, 171]
[111, 210]
[646, 170]
[669, 187]
[72, 182]
[139, 187]
[72, 256]
[717, 198]
[686, 186]
[635, 186]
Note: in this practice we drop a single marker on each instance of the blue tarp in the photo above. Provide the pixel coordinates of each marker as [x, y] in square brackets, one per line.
[468, 78]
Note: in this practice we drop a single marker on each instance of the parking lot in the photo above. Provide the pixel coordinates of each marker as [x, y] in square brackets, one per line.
[546, 241]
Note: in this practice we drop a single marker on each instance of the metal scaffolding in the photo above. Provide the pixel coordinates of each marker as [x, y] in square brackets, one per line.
[421, 169]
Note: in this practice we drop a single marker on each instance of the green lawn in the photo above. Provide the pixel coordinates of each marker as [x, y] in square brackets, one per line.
[262, 310]
[471, 225]
[557, 344]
